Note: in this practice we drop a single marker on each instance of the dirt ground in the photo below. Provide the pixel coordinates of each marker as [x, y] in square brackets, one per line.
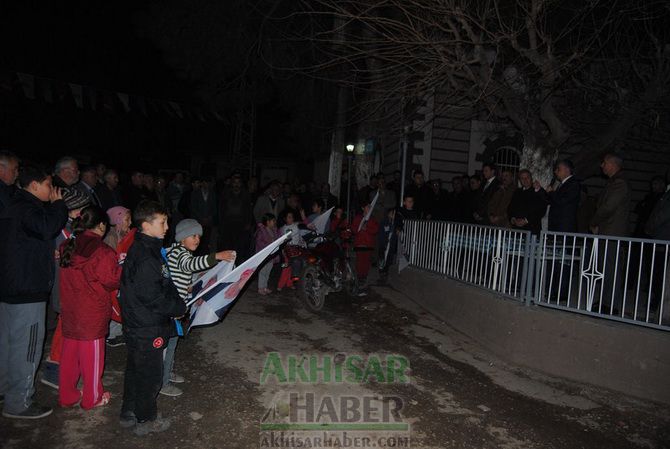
[458, 395]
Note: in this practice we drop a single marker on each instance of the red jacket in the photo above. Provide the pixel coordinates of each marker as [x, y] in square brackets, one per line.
[85, 287]
[365, 237]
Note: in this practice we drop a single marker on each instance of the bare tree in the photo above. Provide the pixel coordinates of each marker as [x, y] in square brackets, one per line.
[549, 67]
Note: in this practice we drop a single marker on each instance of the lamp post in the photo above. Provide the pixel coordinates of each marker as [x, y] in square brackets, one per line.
[350, 154]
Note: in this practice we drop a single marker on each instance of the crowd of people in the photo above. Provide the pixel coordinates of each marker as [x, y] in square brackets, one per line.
[115, 263]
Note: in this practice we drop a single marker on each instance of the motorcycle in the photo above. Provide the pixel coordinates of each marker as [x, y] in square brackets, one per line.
[326, 268]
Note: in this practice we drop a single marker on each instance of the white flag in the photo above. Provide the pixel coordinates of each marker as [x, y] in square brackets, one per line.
[320, 223]
[367, 216]
[219, 291]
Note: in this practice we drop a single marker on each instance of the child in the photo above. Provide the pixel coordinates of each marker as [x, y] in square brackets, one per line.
[293, 272]
[89, 272]
[75, 201]
[364, 242]
[182, 264]
[337, 221]
[317, 209]
[266, 233]
[120, 237]
[149, 303]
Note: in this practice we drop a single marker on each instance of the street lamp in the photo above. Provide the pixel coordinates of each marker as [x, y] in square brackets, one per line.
[350, 154]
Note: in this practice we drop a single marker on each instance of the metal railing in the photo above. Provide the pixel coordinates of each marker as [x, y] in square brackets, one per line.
[488, 257]
[623, 279]
[617, 278]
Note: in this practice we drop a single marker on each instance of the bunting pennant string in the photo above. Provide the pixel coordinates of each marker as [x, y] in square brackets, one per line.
[88, 97]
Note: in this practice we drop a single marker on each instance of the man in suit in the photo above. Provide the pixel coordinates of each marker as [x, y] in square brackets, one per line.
[563, 199]
[528, 205]
[564, 203]
[87, 184]
[613, 208]
[490, 186]
[612, 219]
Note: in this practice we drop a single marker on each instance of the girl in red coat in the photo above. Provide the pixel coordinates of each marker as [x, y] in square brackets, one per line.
[89, 272]
[364, 242]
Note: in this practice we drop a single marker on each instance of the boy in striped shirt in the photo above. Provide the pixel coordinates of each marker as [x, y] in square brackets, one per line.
[182, 264]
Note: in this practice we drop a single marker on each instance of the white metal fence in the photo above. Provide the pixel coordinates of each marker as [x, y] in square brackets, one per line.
[618, 278]
[623, 279]
[493, 258]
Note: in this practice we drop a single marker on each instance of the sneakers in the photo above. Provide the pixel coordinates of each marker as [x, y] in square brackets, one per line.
[116, 341]
[35, 411]
[50, 374]
[157, 425]
[171, 390]
[127, 419]
[176, 378]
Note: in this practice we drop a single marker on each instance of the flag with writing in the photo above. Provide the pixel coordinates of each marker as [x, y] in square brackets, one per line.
[221, 286]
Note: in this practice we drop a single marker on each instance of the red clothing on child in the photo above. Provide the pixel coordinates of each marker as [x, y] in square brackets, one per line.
[85, 358]
[364, 244]
[85, 286]
[367, 236]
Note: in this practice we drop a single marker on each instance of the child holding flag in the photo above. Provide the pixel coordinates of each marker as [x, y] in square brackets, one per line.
[182, 264]
[149, 304]
[365, 229]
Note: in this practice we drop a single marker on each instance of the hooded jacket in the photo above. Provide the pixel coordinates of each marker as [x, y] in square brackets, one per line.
[85, 286]
[149, 300]
[27, 249]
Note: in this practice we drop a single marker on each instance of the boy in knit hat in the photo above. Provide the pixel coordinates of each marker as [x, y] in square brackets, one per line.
[182, 264]
[75, 201]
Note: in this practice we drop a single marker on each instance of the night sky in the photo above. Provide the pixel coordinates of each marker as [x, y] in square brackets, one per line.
[105, 45]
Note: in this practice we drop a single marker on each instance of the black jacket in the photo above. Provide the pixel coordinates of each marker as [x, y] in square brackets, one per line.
[6, 194]
[483, 200]
[149, 300]
[564, 203]
[530, 205]
[28, 228]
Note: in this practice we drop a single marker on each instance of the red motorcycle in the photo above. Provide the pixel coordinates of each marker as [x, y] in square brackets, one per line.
[326, 268]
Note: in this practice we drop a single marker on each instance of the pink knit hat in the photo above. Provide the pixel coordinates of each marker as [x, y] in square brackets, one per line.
[116, 214]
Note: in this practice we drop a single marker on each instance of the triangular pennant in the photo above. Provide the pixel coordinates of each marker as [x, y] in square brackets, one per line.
[92, 95]
[108, 101]
[142, 105]
[28, 84]
[177, 109]
[199, 115]
[77, 94]
[47, 93]
[167, 108]
[125, 101]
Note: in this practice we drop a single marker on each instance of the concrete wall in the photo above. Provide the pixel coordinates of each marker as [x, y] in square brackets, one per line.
[617, 356]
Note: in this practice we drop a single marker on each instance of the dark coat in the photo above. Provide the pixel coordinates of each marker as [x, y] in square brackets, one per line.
[108, 198]
[6, 194]
[612, 215]
[564, 203]
[149, 300]
[530, 205]
[658, 224]
[28, 228]
[484, 198]
[133, 195]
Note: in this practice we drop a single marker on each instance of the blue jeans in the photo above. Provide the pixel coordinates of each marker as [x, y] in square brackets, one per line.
[21, 344]
[168, 359]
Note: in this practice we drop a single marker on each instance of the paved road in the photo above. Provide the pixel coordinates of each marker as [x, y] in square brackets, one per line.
[457, 396]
